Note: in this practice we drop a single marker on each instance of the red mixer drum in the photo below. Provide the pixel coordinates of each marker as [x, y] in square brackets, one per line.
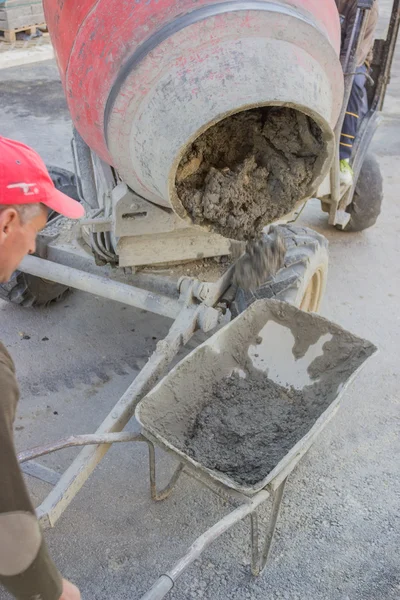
[145, 78]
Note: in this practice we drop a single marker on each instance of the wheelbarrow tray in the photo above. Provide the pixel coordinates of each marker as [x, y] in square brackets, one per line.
[292, 347]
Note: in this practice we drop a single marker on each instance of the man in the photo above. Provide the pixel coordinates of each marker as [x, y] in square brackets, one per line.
[358, 103]
[26, 194]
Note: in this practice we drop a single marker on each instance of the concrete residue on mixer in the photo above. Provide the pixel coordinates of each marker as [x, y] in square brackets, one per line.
[249, 170]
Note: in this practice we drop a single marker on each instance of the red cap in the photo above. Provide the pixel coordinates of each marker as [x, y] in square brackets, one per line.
[24, 180]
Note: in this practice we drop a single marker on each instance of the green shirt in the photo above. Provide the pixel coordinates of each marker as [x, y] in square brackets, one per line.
[26, 569]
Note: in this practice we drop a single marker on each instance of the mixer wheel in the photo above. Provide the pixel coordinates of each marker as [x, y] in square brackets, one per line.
[28, 290]
[366, 204]
[302, 280]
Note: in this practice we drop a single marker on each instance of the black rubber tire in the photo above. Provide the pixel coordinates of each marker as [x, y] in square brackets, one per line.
[366, 205]
[65, 181]
[306, 256]
[27, 290]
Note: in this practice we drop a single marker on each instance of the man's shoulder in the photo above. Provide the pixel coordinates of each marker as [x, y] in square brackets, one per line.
[8, 382]
[9, 393]
[5, 359]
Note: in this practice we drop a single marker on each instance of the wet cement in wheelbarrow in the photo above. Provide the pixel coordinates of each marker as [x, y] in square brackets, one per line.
[249, 170]
[249, 424]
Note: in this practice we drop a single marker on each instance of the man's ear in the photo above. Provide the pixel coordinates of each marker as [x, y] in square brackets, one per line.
[9, 219]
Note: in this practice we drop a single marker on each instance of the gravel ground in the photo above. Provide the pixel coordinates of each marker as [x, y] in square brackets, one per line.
[338, 536]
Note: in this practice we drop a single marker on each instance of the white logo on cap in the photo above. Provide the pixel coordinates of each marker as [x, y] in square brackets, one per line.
[25, 187]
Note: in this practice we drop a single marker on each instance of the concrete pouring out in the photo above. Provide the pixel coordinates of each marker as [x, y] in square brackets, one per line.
[263, 258]
[249, 170]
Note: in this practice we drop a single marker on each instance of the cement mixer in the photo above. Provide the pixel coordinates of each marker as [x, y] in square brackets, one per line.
[151, 91]
[198, 125]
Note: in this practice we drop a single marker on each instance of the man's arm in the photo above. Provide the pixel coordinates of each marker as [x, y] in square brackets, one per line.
[368, 41]
[348, 13]
[365, 51]
[26, 569]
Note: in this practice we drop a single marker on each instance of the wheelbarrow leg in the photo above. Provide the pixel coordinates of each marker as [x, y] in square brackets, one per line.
[259, 559]
[166, 492]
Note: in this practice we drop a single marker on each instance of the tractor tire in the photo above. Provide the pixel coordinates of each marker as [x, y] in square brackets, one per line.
[302, 280]
[65, 181]
[27, 290]
[365, 207]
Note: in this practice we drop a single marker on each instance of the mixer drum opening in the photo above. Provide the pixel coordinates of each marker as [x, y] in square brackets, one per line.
[250, 169]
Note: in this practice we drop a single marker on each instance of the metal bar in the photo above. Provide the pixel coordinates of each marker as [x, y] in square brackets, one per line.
[389, 50]
[166, 582]
[202, 542]
[258, 562]
[335, 183]
[349, 68]
[352, 47]
[34, 469]
[255, 543]
[79, 440]
[166, 492]
[160, 589]
[84, 464]
[350, 64]
[101, 286]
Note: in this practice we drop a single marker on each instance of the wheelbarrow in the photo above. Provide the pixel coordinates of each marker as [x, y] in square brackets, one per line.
[292, 348]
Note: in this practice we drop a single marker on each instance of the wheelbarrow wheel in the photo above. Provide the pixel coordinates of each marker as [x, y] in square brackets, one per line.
[302, 280]
[365, 207]
[27, 290]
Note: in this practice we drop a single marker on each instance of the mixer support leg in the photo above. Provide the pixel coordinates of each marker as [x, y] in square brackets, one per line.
[259, 559]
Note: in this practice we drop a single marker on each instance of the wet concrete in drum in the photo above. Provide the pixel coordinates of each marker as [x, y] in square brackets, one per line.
[249, 170]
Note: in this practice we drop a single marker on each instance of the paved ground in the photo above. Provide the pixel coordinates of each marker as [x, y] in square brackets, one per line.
[338, 536]
[23, 52]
